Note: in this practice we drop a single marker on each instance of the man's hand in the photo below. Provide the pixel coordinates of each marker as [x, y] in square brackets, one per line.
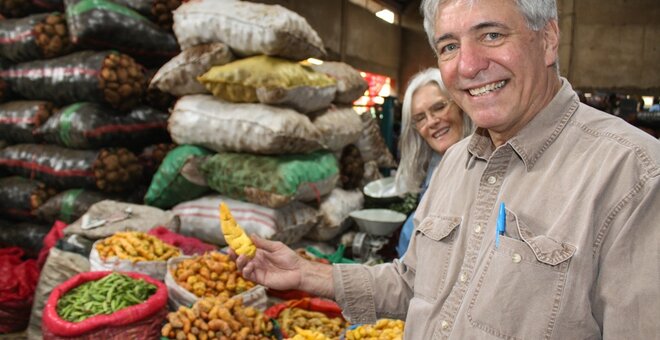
[278, 267]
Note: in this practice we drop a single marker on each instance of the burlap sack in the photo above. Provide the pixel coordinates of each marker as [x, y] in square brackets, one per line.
[248, 28]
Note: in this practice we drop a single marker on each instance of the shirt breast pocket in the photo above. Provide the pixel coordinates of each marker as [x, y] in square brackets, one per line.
[520, 288]
[435, 239]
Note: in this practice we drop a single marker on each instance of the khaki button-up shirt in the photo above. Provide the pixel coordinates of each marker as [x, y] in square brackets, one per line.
[580, 255]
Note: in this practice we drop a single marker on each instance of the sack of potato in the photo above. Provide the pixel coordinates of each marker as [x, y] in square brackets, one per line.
[218, 318]
[109, 170]
[309, 318]
[108, 78]
[133, 251]
[20, 119]
[213, 274]
[38, 36]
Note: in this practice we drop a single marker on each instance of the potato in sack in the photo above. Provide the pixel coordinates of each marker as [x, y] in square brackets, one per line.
[133, 251]
[213, 274]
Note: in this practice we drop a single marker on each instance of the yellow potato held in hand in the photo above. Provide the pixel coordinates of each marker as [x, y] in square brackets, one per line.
[235, 236]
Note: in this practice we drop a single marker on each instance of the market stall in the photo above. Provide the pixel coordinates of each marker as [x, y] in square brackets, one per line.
[125, 126]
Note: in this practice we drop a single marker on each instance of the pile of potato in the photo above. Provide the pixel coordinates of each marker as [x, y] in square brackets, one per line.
[211, 274]
[292, 320]
[136, 246]
[52, 35]
[217, 318]
[381, 330]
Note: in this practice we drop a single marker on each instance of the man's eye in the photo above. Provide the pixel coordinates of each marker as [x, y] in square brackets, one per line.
[448, 48]
[493, 36]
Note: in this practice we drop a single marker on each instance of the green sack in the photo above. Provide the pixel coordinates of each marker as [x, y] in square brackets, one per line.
[272, 181]
[169, 185]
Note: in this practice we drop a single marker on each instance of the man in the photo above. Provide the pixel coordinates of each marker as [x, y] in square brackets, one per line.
[577, 249]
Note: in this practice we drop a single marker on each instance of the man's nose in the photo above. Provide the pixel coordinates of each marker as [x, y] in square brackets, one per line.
[472, 59]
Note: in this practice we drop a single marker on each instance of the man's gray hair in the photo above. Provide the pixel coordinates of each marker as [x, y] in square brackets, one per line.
[537, 13]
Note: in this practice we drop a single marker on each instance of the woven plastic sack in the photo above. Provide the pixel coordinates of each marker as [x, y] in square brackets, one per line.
[60, 266]
[372, 145]
[69, 205]
[155, 269]
[28, 38]
[271, 80]
[350, 84]
[28, 236]
[334, 214]
[170, 184]
[20, 197]
[20, 119]
[142, 218]
[21, 8]
[288, 224]
[248, 28]
[18, 280]
[102, 24]
[179, 296]
[92, 126]
[78, 77]
[339, 127]
[272, 181]
[179, 75]
[251, 128]
[141, 321]
[328, 307]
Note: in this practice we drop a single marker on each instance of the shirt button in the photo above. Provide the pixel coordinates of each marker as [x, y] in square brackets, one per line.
[477, 229]
[463, 277]
[445, 325]
[516, 258]
[492, 180]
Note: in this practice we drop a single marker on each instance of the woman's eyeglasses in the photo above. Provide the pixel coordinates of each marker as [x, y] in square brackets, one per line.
[421, 119]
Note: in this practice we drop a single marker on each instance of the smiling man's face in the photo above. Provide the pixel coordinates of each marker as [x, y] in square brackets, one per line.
[495, 67]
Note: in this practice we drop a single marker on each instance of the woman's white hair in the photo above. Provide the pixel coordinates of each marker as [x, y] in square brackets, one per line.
[537, 13]
[415, 151]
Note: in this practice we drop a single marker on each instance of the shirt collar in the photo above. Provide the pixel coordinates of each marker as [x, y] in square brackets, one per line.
[532, 141]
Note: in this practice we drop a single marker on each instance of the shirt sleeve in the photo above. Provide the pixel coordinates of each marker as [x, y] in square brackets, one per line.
[626, 298]
[367, 293]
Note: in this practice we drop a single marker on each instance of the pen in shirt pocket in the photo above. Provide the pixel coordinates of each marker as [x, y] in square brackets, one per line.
[501, 225]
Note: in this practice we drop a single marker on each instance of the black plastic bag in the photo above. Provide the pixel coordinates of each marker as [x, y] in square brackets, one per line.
[70, 205]
[91, 126]
[151, 158]
[101, 24]
[28, 236]
[22, 8]
[5, 90]
[20, 197]
[110, 170]
[20, 119]
[101, 77]
[159, 11]
[38, 36]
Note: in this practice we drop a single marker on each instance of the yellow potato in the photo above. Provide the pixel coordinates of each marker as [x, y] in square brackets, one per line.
[235, 236]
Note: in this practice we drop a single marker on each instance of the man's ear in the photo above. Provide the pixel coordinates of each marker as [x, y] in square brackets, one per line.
[551, 42]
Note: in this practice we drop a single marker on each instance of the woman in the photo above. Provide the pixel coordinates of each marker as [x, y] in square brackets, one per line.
[431, 123]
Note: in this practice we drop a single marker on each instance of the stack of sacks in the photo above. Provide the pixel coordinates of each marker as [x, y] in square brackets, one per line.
[255, 125]
[65, 88]
[75, 113]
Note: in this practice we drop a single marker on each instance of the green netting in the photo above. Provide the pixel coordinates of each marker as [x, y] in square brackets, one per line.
[231, 173]
[169, 187]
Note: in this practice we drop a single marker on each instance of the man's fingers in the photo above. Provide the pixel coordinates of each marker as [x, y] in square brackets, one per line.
[269, 246]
